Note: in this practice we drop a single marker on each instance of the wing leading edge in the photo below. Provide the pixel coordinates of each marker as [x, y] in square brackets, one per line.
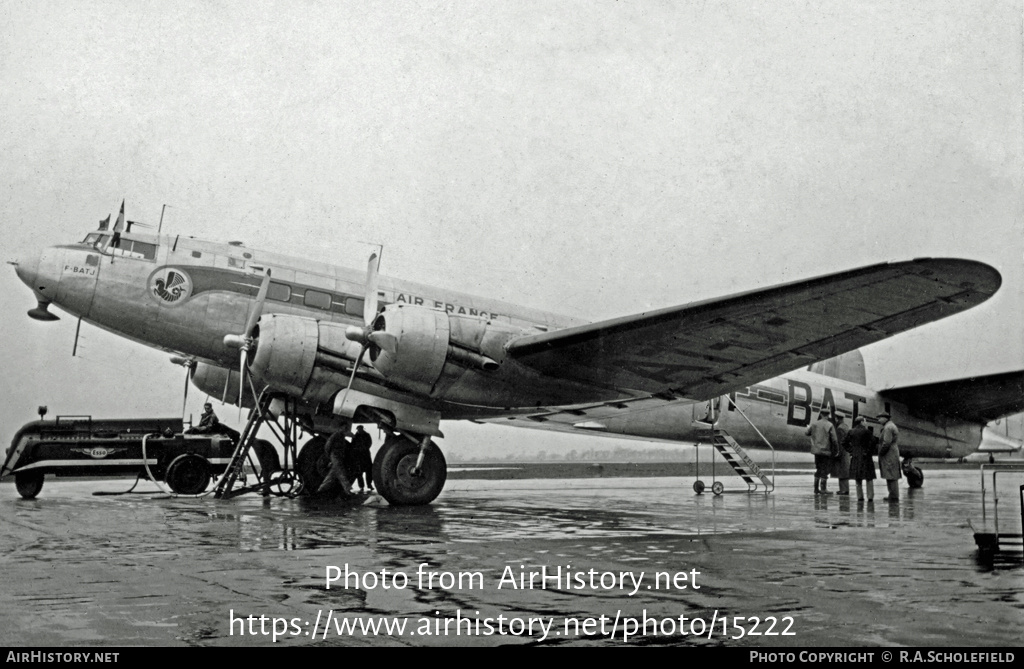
[709, 348]
[980, 399]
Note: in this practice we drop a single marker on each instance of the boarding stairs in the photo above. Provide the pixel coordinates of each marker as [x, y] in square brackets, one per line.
[740, 462]
[734, 455]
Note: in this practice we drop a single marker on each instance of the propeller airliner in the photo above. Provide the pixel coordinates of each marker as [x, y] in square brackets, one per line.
[349, 345]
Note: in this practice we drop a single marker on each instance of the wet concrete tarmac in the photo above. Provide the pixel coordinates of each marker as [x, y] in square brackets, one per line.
[80, 569]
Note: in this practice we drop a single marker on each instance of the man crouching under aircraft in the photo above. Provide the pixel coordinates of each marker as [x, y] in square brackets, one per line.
[336, 447]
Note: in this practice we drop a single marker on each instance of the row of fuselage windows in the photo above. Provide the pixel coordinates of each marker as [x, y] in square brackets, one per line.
[279, 292]
[315, 299]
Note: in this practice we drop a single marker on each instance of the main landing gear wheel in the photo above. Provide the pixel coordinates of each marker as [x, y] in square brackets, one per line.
[312, 465]
[395, 475]
[267, 456]
[29, 484]
[717, 488]
[698, 486]
[188, 474]
[915, 477]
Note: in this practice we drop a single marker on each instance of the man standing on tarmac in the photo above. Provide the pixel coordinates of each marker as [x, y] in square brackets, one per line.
[824, 446]
[360, 464]
[889, 456]
[841, 463]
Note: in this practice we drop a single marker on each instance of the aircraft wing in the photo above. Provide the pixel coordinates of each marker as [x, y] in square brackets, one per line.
[709, 348]
[980, 398]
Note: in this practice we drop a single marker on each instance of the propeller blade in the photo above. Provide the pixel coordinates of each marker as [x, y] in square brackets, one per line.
[258, 307]
[383, 340]
[352, 378]
[370, 301]
[224, 395]
[242, 366]
[184, 402]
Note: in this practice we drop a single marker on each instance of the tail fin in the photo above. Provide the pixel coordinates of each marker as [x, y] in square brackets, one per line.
[848, 367]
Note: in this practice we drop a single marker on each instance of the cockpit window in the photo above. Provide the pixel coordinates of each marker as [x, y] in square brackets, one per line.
[131, 248]
[119, 246]
[96, 240]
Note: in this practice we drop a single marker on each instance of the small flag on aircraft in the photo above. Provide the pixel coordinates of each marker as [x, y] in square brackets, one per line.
[119, 225]
[104, 223]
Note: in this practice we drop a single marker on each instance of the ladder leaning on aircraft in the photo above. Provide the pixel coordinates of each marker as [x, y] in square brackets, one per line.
[344, 346]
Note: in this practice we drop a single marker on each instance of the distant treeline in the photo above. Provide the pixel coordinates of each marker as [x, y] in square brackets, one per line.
[617, 454]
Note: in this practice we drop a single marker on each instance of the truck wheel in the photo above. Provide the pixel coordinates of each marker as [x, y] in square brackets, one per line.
[28, 483]
[188, 474]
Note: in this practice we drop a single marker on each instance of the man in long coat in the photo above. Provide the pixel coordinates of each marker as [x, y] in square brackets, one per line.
[824, 446]
[858, 443]
[889, 456]
[841, 463]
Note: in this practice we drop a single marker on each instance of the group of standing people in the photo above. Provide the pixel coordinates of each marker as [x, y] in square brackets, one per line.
[350, 461]
[847, 454]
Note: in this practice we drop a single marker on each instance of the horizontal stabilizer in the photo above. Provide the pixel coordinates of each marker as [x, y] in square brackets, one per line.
[978, 398]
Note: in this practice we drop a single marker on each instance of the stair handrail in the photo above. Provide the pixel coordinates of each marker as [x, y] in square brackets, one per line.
[763, 438]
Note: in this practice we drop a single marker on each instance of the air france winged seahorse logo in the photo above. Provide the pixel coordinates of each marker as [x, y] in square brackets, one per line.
[170, 285]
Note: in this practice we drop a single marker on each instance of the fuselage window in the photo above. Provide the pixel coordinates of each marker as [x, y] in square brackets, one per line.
[317, 299]
[197, 254]
[147, 251]
[354, 306]
[281, 292]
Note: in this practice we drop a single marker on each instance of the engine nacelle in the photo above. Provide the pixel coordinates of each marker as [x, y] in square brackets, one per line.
[301, 356]
[433, 348]
[421, 346]
[220, 382]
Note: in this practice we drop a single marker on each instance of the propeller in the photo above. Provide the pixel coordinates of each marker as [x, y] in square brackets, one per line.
[366, 335]
[189, 364]
[244, 342]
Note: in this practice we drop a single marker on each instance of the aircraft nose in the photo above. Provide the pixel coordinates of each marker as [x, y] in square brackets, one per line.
[27, 268]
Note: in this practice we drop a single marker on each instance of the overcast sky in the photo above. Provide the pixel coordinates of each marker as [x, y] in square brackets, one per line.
[590, 158]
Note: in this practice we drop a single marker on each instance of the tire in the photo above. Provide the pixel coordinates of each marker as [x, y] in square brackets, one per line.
[915, 477]
[29, 484]
[393, 476]
[717, 488]
[312, 465]
[188, 474]
[267, 456]
[698, 486]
